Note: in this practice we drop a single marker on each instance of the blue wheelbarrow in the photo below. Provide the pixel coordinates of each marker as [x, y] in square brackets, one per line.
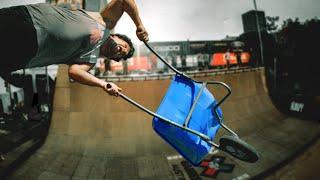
[189, 117]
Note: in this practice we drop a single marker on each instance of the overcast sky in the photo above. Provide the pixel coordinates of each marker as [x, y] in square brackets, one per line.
[174, 20]
[209, 19]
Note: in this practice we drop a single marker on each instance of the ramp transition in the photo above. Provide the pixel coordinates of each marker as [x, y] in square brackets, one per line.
[94, 135]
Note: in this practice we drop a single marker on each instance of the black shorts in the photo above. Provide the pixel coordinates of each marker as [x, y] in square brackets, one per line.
[18, 38]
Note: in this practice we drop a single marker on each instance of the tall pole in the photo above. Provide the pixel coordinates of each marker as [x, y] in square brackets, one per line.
[259, 32]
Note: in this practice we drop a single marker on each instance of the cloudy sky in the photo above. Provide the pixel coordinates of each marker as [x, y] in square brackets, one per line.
[209, 19]
[168, 20]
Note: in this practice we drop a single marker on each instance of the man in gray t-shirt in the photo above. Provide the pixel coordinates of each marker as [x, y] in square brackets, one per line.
[41, 34]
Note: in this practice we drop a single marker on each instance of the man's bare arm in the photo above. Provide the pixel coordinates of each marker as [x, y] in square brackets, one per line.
[112, 13]
[114, 10]
[79, 73]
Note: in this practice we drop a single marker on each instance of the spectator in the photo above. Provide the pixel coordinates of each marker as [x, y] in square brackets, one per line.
[227, 57]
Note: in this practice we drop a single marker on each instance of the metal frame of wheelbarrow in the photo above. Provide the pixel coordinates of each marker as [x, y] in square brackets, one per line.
[227, 143]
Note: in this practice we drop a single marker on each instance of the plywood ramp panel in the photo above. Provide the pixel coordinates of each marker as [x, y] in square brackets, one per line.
[94, 135]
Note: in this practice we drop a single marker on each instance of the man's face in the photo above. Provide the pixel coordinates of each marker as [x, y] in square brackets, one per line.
[115, 48]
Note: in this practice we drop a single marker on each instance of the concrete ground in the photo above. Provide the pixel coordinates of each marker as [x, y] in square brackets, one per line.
[304, 166]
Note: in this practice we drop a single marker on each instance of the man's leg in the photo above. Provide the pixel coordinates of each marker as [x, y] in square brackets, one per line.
[18, 38]
[18, 45]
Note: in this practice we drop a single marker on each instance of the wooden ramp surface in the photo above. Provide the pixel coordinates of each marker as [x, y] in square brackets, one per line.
[96, 136]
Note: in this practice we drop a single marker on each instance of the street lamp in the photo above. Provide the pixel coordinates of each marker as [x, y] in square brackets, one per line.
[259, 33]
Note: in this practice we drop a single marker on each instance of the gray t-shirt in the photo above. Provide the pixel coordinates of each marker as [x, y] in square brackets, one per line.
[63, 36]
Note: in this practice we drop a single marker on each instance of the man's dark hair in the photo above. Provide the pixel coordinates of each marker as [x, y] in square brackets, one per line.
[128, 40]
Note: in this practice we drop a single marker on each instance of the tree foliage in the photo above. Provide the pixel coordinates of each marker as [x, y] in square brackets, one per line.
[272, 23]
[298, 48]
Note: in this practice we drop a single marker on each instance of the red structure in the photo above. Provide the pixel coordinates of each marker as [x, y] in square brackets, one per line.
[139, 63]
[218, 59]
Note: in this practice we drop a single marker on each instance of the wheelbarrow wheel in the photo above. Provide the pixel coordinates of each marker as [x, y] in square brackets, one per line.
[238, 149]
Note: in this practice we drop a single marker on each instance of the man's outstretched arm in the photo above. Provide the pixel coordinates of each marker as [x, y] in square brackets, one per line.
[79, 73]
[114, 10]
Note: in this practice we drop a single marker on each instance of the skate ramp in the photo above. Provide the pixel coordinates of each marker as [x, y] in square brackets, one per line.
[95, 136]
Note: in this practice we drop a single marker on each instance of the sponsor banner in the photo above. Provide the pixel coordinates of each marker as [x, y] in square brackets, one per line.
[139, 63]
[197, 47]
[220, 59]
[135, 63]
[296, 106]
[167, 48]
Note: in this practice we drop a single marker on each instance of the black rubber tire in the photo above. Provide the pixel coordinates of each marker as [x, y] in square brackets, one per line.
[238, 149]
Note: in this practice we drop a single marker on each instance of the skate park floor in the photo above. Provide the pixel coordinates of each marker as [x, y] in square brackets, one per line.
[96, 136]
